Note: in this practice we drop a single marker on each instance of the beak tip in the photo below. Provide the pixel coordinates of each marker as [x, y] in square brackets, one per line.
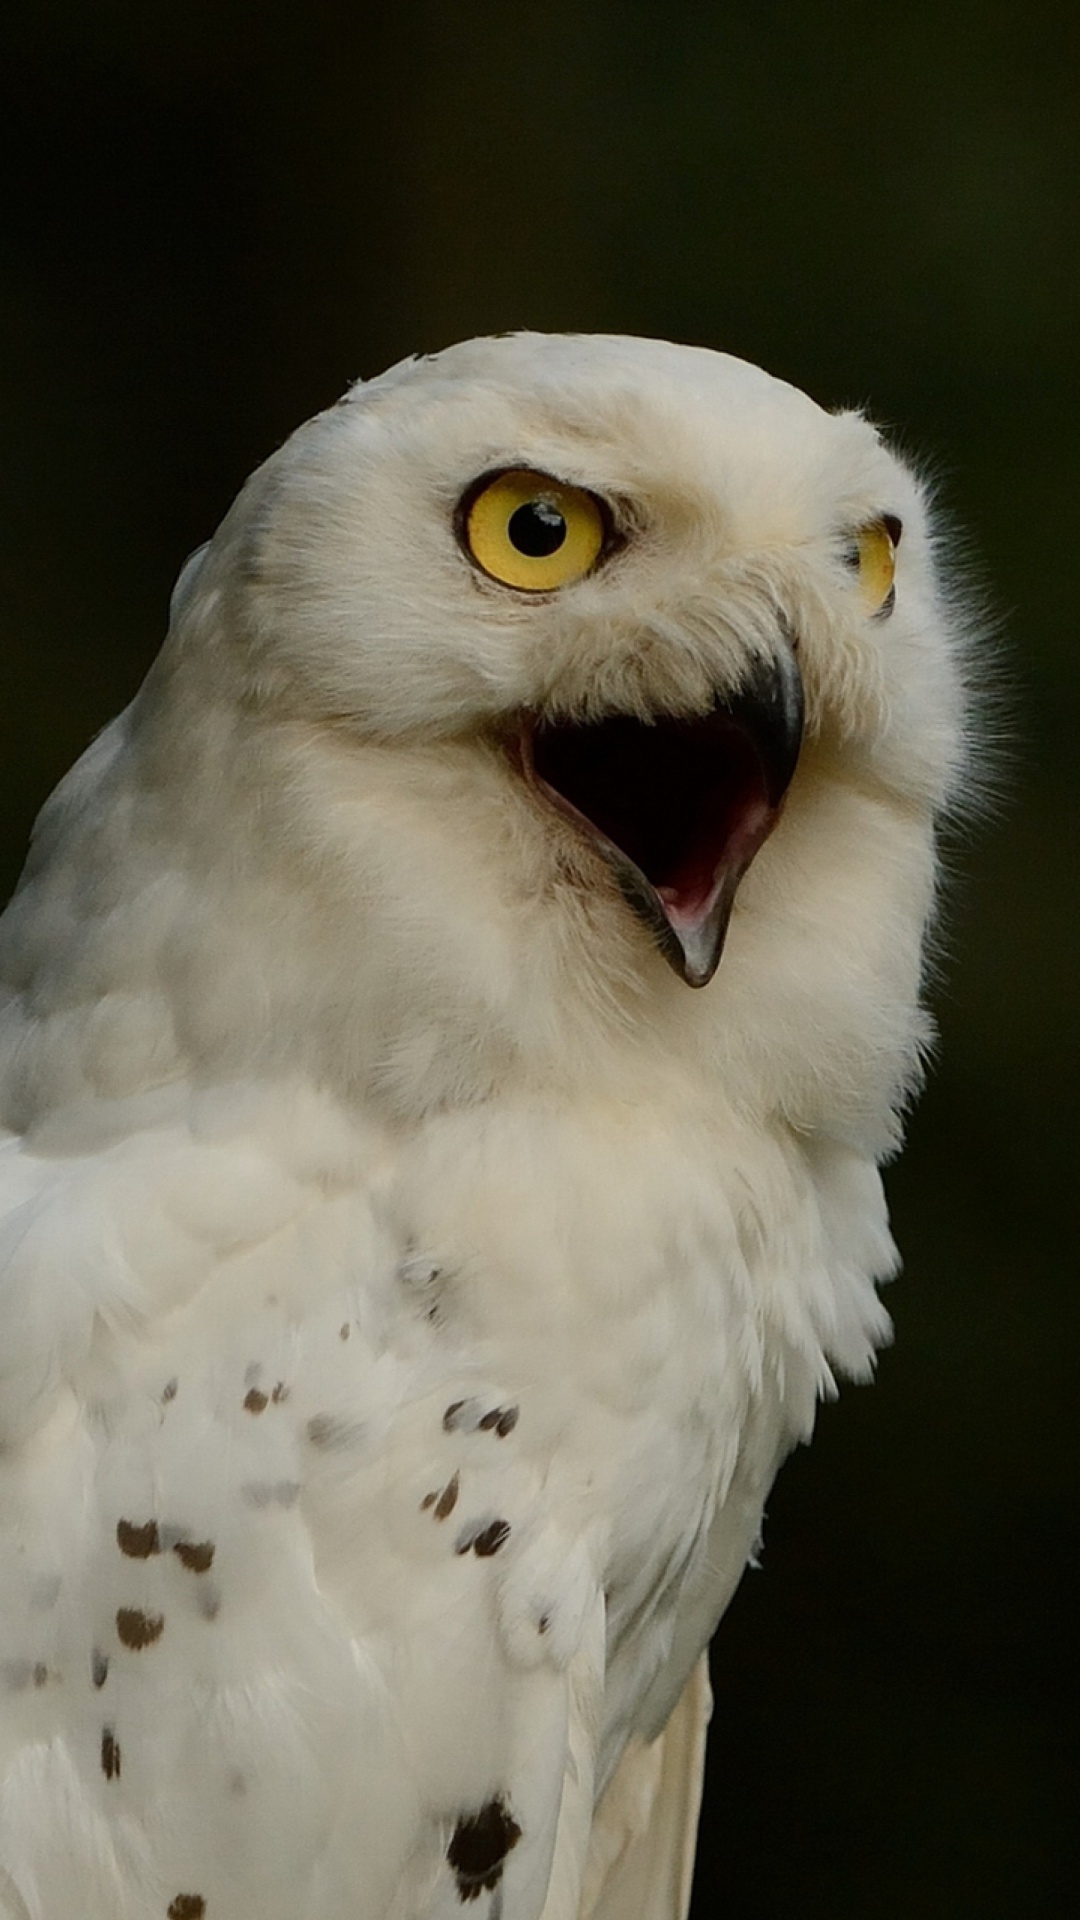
[695, 952]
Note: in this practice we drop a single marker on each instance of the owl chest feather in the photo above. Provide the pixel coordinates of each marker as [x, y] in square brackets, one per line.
[656, 1294]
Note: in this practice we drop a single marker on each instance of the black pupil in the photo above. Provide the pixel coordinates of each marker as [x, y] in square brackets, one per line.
[537, 529]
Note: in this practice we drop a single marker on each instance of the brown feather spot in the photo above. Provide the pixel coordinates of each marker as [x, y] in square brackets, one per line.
[168, 1391]
[449, 1418]
[448, 1498]
[508, 1421]
[482, 1537]
[478, 1848]
[137, 1629]
[428, 1500]
[138, 1542]
[500, 1421]
[187, 1906]
[20, 1674]
[196, 1555]
[344, 1330]
[110, 1755]
[99, 1667]
[491, 1539]
[280, 1393]
[255, 1400]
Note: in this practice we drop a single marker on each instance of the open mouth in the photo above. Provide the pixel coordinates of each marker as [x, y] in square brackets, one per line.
[678, 807]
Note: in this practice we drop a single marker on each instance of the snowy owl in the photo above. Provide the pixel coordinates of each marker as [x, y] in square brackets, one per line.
[451, 1023]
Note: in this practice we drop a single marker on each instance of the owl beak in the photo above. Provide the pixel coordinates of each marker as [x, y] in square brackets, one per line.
[678, 807]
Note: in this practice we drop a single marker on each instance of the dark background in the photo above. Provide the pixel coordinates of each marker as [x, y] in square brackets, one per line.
[216, 216]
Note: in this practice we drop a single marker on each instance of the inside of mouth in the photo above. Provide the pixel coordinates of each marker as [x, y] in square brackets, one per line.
[684, 800]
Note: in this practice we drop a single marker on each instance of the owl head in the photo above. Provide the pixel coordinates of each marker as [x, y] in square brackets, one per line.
[533, 683]
[647, 576]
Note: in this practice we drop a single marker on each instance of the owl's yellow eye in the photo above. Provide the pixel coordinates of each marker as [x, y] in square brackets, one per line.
[531, 532]
[875, 558]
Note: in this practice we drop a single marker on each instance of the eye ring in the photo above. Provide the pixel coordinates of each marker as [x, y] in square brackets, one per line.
[531, 531]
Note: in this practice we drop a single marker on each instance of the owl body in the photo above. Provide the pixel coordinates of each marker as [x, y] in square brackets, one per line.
[409, 1285]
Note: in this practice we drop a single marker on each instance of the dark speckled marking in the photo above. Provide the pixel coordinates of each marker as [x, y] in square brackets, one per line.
[500, 1421]
[484, 1540]
[138, 1541]
[255, 1400]
[99, 1667]
[428, 1500]
[478, 1848]
[20, 1674]
[168, 1391]
[137, 1629]
[491, 1539]
[470, 1416]
[196, 1555]
[187, 1906]
[280, 1393]
[344, 1330]
[110, 1754]
[448, 1498]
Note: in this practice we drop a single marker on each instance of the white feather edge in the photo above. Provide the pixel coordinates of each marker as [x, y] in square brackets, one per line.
[640, 1864]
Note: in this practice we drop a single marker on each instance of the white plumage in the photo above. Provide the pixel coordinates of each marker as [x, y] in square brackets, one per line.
[408, 1284]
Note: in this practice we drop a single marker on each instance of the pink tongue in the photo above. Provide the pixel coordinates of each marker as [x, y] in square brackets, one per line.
[689, 898]
[688, 903]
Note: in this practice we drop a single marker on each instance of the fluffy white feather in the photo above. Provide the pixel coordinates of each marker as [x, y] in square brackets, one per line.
[408, 1287]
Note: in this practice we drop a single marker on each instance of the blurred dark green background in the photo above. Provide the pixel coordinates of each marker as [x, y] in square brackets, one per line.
[216, 216]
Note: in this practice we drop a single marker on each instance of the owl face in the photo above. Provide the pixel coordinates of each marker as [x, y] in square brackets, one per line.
[644, 576]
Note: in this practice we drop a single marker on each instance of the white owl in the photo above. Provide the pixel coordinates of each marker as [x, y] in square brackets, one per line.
[409, 1284]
